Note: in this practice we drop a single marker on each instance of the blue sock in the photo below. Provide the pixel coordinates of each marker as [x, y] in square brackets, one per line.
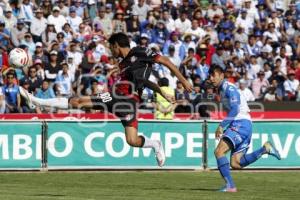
[223, 166]
[252, 157]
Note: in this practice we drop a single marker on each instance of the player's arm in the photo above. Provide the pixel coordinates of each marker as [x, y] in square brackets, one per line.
[166, 62]
[234, 102]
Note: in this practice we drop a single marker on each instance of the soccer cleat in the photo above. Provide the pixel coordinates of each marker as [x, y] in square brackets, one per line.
[160, 154]
[228, 189]
[27, 97]
[271, 150]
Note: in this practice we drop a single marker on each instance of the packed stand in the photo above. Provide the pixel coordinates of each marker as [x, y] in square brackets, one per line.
[256, 42]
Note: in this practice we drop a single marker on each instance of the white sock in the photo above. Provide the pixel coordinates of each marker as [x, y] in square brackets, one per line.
[150, 143]
[61, 102]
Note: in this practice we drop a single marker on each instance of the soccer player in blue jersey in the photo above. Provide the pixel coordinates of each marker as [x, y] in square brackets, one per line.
[234, 131]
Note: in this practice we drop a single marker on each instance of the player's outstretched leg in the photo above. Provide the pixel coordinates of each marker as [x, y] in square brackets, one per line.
[61, 102]
[134, 140]
[267, 148]
[223, 166]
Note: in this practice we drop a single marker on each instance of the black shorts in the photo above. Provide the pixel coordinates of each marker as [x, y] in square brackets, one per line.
[124, 107]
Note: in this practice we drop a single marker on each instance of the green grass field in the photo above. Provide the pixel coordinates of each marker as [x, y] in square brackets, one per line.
[146, 186]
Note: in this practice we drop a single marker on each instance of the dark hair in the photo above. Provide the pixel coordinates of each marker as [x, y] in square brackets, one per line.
[11, 73]
[164, 82]
[92, 45]
[215, 68]
[119, 38]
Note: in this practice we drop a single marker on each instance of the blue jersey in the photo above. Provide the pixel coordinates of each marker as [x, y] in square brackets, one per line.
[11, 94]
[234, 102]
[238, 120]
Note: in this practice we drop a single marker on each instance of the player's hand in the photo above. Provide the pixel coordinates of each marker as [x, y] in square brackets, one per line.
[169, 98]
[219, 132]
[187, 86]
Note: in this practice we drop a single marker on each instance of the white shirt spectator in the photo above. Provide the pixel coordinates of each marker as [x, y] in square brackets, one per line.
[182, 26]
[291, 86]
[247, 93]
[64, 83]
[142, 9]
[198, 32]
[9, 22]
[211, 13]
[77, 57]
[283, 66]
[247, 24]
[58, 22]
[275, 36]
[38, 26]
[170, 24]
[253, 70]
[27, 10]
[74, 22]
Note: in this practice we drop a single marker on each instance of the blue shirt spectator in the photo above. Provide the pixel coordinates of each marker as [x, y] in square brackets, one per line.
[45, 92]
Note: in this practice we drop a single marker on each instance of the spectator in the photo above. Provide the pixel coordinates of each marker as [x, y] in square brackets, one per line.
[52, 68]
[169, 21]
[182, 99]
[40, 54]
[9, 19]
[260, 85]
[214, 10]
[64, 10]
[73, 19]
[46, 6]
[142, 9]
[245, 91]
[38, 25]
[174, 41]
[79, 8]
[183, 24]
[33, 80]
[218, 58]
[12, 94]
[2, 101]
[291, 86]
[164, 110]
[49, 34]
[161, 33]
[45, 92]
[64, 81]
[40, 69]
[118, 23]
[57, 19]
[103, 21]
[27, 9]
[18, 33]
[28, 41]
[74, 52]
[196, 32]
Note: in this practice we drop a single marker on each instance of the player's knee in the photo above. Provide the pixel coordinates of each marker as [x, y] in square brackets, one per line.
[235, 164]
[219, 153]
[74, 102]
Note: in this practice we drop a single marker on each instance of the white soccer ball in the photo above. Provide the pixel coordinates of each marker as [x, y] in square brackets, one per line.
[18, 58]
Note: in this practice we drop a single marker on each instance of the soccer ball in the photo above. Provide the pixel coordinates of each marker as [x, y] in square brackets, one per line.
[18, 58]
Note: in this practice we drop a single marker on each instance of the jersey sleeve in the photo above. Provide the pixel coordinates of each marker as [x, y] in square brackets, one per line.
[234, 103]
[147, 55]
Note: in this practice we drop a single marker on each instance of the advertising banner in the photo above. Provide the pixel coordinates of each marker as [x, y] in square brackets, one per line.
[284, 135]
[20, 145]
[103, 145]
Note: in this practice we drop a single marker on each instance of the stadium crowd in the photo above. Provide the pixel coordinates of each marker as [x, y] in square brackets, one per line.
[256, 42]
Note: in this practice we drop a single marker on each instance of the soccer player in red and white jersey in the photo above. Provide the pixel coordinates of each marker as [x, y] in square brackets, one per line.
[134, 71]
